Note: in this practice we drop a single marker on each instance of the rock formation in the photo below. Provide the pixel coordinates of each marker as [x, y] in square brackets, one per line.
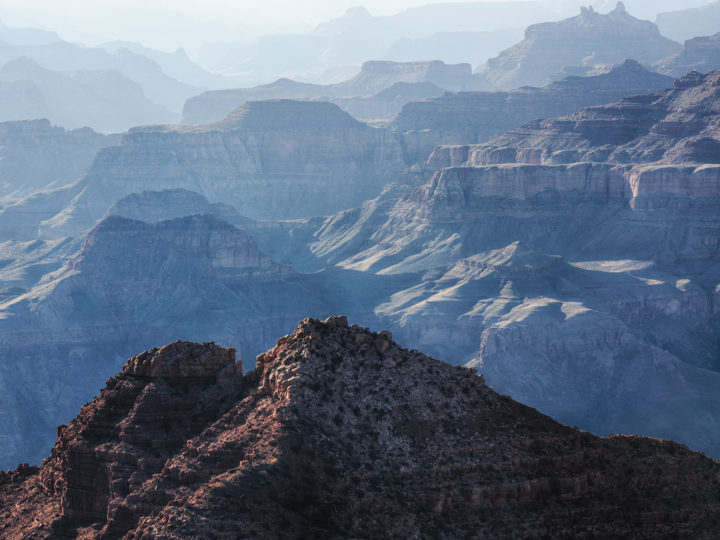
[481, 116]
[587, 39]
[678, 126]
[334, 423]
[700, 54]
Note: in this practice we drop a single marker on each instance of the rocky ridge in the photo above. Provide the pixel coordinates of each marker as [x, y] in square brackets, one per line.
[466, 117]
[333, 423]
[590, 38]
[677, 126]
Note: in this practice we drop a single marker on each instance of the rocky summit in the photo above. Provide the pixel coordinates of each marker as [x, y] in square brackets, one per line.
[590, 38]
[340, 432]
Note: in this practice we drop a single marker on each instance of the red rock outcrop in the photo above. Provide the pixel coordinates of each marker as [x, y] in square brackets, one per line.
[339, 432]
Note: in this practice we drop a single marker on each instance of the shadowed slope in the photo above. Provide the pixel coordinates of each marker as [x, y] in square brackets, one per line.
[339, 431]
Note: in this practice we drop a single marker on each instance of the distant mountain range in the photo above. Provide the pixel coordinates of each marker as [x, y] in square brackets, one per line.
[367, 94]
[109, 88]
[104, 99]
[685, 24]
[421, 38]
[343, 43]
[588, 39]
[599, 41]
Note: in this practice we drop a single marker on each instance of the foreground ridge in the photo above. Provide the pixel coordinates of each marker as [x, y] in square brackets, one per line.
[341, 432]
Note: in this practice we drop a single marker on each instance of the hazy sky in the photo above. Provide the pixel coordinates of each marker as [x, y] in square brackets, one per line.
[163, 21]
[167, 24]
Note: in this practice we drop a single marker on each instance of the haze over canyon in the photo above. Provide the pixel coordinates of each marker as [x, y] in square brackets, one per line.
[515, 204]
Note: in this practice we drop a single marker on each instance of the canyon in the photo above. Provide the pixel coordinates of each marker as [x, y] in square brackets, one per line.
[573, 261]
[562, 240]
[504, 254]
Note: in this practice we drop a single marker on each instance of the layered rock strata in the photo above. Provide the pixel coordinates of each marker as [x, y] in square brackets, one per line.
[475, 117]
[274, 159]
[626, 196]
[678, 126]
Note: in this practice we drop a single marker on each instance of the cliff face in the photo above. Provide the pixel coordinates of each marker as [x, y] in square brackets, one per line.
[700, 54]
[271, 160]
[597, 344]
[334, 423]
[36, 155]
[468, 117]
[588, 39]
